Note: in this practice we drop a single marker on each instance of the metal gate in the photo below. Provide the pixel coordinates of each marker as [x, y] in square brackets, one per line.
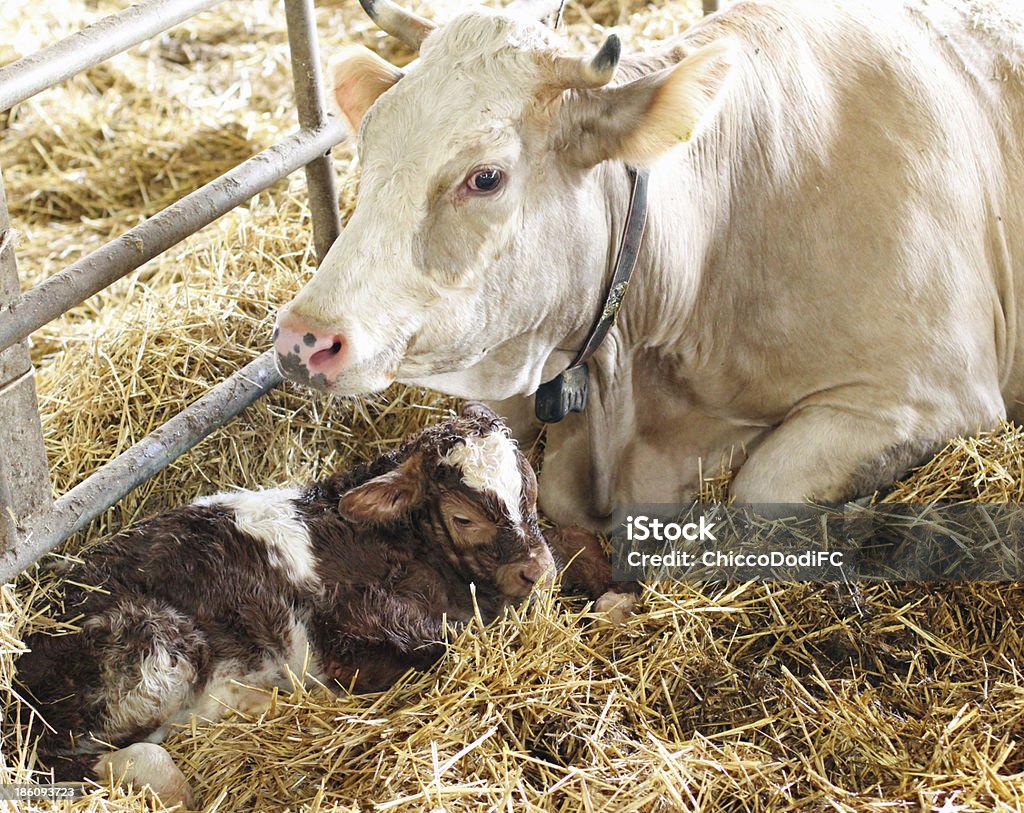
[31, 522]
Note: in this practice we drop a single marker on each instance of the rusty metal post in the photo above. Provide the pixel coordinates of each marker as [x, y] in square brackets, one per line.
[24, 474]
[710, 7]
[309, 99]
[8, 519]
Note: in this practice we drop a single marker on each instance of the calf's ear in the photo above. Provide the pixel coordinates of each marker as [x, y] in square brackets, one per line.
[360, 77]
[386, 498]
[640, 120]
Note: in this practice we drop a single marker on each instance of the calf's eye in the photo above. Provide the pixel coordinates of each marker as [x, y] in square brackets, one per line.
[462, 522]
[485, 180]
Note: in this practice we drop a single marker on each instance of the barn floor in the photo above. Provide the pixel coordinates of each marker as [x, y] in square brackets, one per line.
[740, 698]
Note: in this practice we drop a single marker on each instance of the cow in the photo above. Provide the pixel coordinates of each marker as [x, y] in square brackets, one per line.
[829, 285]
[353, 580]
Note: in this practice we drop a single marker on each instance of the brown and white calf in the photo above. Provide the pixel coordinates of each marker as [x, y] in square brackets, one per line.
[351, 579]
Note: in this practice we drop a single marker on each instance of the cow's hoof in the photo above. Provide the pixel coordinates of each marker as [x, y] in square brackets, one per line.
[145, 764]
[616, 607]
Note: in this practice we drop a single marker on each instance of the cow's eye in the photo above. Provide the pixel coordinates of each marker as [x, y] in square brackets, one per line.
[462, 522]
[488, 179]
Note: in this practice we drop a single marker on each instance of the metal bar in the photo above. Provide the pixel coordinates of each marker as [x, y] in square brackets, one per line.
[24, 472]
[90, 498]
[309, 99]
[23, 464]
[310, 147]
[90, 46]
[8, 516]
[710, 7]
[122, 255]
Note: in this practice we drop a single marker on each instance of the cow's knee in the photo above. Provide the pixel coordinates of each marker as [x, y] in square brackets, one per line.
[145, 764]
[826, 456]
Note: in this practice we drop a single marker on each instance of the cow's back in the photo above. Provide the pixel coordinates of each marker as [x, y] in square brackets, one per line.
[875, 161]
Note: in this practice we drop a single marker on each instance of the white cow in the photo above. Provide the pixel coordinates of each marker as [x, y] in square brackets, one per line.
[829, 286]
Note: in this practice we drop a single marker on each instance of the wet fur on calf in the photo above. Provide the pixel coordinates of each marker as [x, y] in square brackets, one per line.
[583, 564]
[348, 579]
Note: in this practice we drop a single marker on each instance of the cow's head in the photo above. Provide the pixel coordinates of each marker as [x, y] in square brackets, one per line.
[476, 257]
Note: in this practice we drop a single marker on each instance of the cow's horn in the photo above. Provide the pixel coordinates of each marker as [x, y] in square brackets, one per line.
[573, 72]
[408, 27]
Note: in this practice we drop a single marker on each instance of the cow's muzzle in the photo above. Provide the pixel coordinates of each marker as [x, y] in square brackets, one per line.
[308, 355]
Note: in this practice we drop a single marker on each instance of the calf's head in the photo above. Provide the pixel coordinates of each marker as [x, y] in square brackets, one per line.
[466, 488]
[477, 252]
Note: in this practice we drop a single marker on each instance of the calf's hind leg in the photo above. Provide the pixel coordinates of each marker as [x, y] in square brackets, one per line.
[145, 764]
[151, 657]
[130, 670]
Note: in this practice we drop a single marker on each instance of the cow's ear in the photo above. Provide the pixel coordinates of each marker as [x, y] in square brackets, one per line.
[639, 121]
[386, 498]
[360, 76]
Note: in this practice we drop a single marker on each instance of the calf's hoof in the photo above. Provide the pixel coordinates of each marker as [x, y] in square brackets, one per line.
[615, 606]
[147, 764]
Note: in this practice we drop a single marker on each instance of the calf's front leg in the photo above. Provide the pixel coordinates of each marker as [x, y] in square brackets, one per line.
[371, 645]
[585, 566]
[375, 668]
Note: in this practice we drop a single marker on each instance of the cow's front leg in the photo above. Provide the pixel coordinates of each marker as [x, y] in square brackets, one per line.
[828, 456]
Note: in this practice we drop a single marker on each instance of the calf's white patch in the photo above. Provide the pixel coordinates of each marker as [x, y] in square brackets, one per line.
[270, 516]
[489, 463]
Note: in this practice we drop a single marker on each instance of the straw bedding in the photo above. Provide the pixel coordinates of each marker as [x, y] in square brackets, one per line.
[758, 697]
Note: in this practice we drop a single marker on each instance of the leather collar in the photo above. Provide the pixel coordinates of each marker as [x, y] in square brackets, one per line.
[567, 392]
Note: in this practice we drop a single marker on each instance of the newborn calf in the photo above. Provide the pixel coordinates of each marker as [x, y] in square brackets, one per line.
[350, 579]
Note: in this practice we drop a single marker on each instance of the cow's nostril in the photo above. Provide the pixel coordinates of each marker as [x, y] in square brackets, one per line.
[527, 578]
[325, 355]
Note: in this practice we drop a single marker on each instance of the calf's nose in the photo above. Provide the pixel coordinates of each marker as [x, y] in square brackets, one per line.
[533, 571]
[306, 354]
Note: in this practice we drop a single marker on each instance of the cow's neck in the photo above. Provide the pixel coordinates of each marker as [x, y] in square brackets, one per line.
[663, 293]
[658, 307]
